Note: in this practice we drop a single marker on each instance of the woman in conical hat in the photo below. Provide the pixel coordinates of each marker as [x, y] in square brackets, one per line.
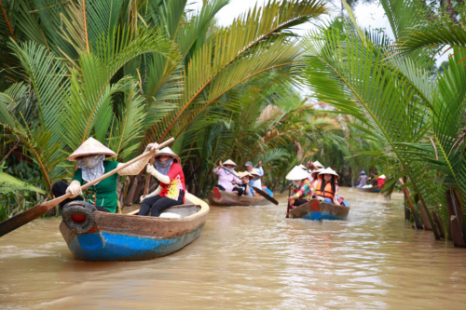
[227, 178]
[171, 190]
[91, 160]
[381, 181]
[314, 177]
[245, 177]
[302, 190]
[326, 187]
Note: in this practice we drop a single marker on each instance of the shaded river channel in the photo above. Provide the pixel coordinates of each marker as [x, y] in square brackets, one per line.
[249, 258]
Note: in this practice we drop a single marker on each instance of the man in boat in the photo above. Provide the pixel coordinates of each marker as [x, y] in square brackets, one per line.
[227, 178]
[259, 170]
[327, 188]
[171, 190]
[90, 159]
[301, 190]
[381, 181]
[362, 179]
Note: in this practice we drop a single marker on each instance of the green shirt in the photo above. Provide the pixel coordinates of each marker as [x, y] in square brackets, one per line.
[103, 194]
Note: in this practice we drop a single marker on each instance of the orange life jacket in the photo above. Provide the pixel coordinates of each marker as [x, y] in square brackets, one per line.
[327, 192]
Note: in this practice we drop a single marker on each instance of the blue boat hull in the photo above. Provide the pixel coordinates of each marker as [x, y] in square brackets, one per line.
[129, 237]
[317, 211]
[320, 216]
[105, 246]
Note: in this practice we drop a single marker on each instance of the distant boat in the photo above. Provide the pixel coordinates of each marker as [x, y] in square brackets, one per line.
[317, 211]
[129, 237]
[232, 199]
[373, 189]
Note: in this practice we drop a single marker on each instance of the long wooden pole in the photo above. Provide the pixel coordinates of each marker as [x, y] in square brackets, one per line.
[39, 210]
[289, 204]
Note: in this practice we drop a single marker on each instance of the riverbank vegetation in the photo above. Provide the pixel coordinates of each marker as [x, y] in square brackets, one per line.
[131, 72]
[418, 117]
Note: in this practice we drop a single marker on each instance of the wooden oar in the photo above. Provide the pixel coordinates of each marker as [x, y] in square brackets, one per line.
[265, 195]
[289, 203]
[39, 210]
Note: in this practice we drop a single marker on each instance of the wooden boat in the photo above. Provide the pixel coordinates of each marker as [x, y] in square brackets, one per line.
[127, 237]
[232, 199]
[373, 189]
[317, 211]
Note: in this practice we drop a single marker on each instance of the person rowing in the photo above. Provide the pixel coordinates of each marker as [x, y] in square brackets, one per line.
[311, 167]
[381, 181]
[362, 179]
[91, 160]
[227, 178]
[171, 190]
[302, 190]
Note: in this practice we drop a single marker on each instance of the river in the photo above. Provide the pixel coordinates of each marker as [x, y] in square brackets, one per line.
[249, 258]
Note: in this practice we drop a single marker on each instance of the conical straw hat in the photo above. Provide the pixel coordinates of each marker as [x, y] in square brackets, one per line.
[91, 147]
[297, 173]
[303, 167]
[318, 164]
[329, 170]
[229, 162]
[314, 173]
[254, 174]
[243, 174]
[382, 176]
[168, 151]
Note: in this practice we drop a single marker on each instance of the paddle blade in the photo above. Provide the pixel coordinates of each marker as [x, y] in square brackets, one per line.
[265, 195]
[28, 215]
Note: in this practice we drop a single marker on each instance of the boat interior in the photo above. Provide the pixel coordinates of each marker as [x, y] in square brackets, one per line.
[184, 210]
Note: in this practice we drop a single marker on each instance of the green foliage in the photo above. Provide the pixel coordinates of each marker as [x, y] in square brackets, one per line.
[133, 73]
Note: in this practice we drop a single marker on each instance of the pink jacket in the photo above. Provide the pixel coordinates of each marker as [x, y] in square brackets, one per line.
[225, 179]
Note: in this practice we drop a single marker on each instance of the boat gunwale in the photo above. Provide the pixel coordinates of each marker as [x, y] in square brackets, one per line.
[153, 227]
[235, 199]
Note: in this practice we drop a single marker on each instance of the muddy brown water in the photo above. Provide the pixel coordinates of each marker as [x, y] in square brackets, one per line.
[249, 258]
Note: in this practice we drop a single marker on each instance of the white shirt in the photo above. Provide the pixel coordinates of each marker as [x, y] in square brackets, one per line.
[258, 182]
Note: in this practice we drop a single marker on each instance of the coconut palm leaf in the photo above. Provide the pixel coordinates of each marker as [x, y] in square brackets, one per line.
[46, 76]
[90, 82]
[233, 43]
[403, 16]
[435, 34]
[449, 124]
[128, 130]
[6, 179]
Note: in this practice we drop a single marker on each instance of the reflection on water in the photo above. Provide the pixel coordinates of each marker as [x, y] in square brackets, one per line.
[249, 258]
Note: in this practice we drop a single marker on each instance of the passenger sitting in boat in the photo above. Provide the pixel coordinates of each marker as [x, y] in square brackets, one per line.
[250, 168]
[227, 177]
[314, 177]
[302, 190]
[313, 166]
[327, 188]
[362, 179]
[381, 181]
[255, 176]
[171, 190]
[247, 190]
[90, 159]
